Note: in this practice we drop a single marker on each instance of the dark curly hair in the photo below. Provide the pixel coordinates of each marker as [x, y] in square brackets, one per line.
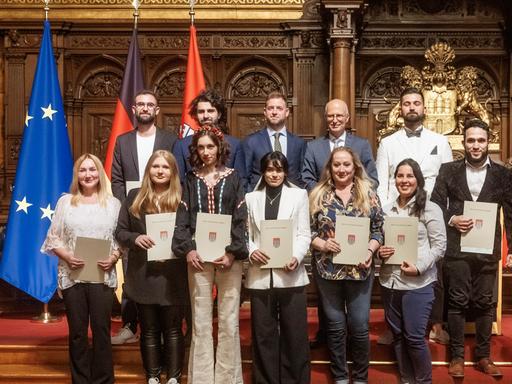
[217, 138]
[420, 193]
[216, 100]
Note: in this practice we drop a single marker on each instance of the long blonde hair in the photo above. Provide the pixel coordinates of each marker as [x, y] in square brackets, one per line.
[102, 188]
[362, 184]
[147, 200]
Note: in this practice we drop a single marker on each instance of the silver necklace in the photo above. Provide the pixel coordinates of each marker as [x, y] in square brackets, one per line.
[271, 201]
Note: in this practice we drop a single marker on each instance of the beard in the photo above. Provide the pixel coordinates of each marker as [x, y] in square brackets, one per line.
[150, 118]
[413, 118]
[477, 161]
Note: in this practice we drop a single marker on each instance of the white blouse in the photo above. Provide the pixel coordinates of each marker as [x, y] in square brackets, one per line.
[86, 220]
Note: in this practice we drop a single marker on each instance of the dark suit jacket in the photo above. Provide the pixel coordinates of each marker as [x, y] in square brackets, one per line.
[125, 165]
[154, 282]
[236, 157]
[451, 190]
[258, 144]
[319, 150]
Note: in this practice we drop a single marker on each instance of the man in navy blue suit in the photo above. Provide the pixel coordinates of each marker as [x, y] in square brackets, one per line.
[319, 150]
[274, 137]
[209, 107]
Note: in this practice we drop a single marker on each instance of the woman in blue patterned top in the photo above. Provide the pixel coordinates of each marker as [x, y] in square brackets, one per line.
[345, 290]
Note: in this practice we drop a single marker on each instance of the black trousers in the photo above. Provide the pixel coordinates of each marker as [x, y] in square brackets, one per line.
[280, 347]
[89, 302]
[470, 280]
[437, 314]
[159, 322]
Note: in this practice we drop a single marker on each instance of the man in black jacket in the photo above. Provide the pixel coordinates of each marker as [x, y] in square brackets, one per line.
[472, 276]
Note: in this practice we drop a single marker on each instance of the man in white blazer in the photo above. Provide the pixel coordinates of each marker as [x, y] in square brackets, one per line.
[428, 148]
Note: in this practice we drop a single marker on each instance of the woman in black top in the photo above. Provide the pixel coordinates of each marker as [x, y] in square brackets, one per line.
[158, 288]
[213, 188]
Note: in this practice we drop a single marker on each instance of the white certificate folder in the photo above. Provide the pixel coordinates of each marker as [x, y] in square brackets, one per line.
[160, 227]
[213, 235]
[480, 239]
[90, 251]
[276, 242]
[352, 234]
[401, 233]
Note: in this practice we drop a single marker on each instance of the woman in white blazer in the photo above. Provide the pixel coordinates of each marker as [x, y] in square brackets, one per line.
[280, 345]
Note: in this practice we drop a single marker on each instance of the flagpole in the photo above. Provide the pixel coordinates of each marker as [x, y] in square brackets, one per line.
[46, 317]
[191, 12]
[136, 4]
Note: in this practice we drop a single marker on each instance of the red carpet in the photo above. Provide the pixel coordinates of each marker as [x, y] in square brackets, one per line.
[21, 331]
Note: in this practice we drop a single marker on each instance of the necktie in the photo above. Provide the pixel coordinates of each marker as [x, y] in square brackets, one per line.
[277, 144]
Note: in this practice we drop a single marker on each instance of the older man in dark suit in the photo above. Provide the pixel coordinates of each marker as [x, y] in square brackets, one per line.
[274, 137]
[472, 276]
[131, 153]
[318, 151]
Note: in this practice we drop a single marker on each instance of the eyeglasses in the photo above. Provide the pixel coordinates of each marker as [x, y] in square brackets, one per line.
[141, 105]
[337, 116]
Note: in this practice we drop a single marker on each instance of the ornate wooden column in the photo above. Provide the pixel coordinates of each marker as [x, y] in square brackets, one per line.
[342, 37]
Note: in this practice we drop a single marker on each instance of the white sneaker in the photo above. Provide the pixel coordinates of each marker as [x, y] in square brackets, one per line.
[125, 335]
[172, 380]
[441, 338]
[153, 380]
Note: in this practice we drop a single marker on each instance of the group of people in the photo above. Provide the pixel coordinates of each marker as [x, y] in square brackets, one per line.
[274, 175]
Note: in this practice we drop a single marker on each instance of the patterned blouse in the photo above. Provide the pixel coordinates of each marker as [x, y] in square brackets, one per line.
[323, 224]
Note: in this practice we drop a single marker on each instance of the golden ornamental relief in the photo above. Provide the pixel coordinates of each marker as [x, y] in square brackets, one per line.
[450, 97]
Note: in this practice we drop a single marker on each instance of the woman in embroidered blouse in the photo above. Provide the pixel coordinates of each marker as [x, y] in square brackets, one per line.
[278, 300]
[212, 188]
[345, 290]
[407, 289]
[88, 211]
[158, 288]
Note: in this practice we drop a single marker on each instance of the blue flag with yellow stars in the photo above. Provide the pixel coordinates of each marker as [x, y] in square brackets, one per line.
[43, 173]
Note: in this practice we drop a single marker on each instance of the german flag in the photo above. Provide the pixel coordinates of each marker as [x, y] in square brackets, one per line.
[133, 82]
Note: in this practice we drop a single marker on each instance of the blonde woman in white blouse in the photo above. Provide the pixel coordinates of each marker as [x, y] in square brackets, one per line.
[89, 210]
[280, 347]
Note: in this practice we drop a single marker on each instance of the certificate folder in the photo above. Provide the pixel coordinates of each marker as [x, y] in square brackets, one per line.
[276, 242]
[352, 233]
[401, 233]
[90, 251]
[160, 227]
[213, 235]
[480, 239]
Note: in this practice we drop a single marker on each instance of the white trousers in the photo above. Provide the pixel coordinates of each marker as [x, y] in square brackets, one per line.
[203, 367]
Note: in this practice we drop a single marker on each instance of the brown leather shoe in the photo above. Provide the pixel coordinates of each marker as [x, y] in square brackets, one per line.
[487, 366]
[456, 368]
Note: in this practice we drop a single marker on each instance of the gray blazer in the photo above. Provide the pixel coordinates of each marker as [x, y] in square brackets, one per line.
[125, 165]
[319, 150]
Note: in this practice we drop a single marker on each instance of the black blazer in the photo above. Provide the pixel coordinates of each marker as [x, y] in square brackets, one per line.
[451, 190]
[125, 165]
[155, 282]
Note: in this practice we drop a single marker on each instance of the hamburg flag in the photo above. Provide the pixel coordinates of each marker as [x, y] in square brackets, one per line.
[194, 84]
[43, 173]
[133, 82]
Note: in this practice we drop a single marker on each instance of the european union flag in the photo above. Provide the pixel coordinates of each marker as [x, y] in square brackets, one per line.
[43, 173]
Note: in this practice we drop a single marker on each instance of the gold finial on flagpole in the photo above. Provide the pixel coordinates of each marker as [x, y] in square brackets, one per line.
[136, 5]
[191, 12]
[46, 9]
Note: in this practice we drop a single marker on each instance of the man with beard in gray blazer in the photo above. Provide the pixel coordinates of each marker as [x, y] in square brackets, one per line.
[318, 151]
[131, 153]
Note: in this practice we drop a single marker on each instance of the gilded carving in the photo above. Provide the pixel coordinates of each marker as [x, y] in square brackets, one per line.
[450, 95]
[250, 123]
[159, 2]
[172, 85]
[14, 149]
[254, 85]
[102, 128]
[102, 84]
[26, 41]
[394, 42]
[492, 41]
[255, 42]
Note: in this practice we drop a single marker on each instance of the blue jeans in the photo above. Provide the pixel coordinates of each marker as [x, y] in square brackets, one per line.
[347, 310]
[407, 313]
